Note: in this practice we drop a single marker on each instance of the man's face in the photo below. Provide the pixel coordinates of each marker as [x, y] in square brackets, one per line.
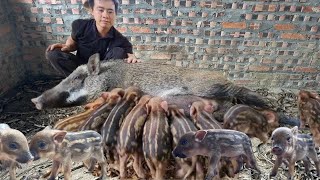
[104, 13]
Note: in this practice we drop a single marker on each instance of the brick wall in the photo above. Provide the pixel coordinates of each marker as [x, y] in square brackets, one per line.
[256, 43]
[11, 66]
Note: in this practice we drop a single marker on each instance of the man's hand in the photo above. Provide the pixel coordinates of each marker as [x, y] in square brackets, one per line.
[61, 46]
[69, 46]
[132, 58]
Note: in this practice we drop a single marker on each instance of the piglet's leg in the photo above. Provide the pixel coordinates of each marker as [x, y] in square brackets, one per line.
[314, 157]
[199, 171]
[67, 170]
[103, 164]
[151, 167]
[212, 166]
[276, 166]
[123, 162]
[291, 170]
[137, 165]
[54, 170]
[12, 171]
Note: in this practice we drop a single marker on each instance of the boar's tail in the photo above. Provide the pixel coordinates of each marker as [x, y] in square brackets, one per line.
[239, 95]
[285, 120]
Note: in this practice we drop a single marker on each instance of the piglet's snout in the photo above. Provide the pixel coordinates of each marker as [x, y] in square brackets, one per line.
[25, 157]
[277, 150]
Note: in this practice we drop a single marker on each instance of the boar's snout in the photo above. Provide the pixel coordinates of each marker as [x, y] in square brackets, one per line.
[37, 103]
[25, 157]
[176, 153]
[277, 150]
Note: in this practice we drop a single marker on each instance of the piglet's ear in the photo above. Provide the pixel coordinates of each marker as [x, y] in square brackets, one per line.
[164, 105]
[294, 130]
[105, 95]
[193, 111]
[208, 108]
[59, 136]
[200, 135]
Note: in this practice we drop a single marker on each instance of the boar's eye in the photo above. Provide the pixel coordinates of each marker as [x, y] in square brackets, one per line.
[13, 146]
[42, 145]
[288, 138]
[184, 142]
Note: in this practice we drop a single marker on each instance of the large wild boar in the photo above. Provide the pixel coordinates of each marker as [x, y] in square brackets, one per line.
[87, 81]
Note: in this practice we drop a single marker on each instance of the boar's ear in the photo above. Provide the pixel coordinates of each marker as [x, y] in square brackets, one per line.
[59, 136]
[294, 130]
[199, 136]
[94, 64]
[164, 105]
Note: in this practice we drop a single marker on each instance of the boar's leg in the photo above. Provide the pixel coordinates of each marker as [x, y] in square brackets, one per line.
[276, 166]
[214, 160]
[123, 164]
[54, 169]
[137, 165]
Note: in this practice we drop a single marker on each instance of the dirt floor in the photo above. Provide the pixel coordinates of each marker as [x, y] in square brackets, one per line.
[17, 110]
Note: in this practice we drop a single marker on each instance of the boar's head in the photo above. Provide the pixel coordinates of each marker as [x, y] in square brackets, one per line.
[76, 89]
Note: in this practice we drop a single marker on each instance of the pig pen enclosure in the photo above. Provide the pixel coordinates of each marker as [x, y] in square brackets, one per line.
[18, 111]
[271, 47]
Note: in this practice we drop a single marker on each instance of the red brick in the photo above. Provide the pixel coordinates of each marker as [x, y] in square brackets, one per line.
[24, 1]
[272, 8]
[310, 9]
[258, 7]
[162, 21]
[59, 20]
[305, 69]
[34, 10]
[243, 82]
[293, 36]
[47, 20]
[4, 29]
[284, 27]
[136, 29]
[259, 68]
[122, 29]
[234, 25]
[161, 56]
[60, 29]
[74, 2]
[75, 11]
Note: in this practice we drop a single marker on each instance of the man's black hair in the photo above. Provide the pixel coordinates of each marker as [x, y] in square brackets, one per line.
[116, 4]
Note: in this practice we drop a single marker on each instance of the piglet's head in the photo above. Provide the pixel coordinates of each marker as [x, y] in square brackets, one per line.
[283, 140]
[191, 144]
[14, 146]
[44, 143]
